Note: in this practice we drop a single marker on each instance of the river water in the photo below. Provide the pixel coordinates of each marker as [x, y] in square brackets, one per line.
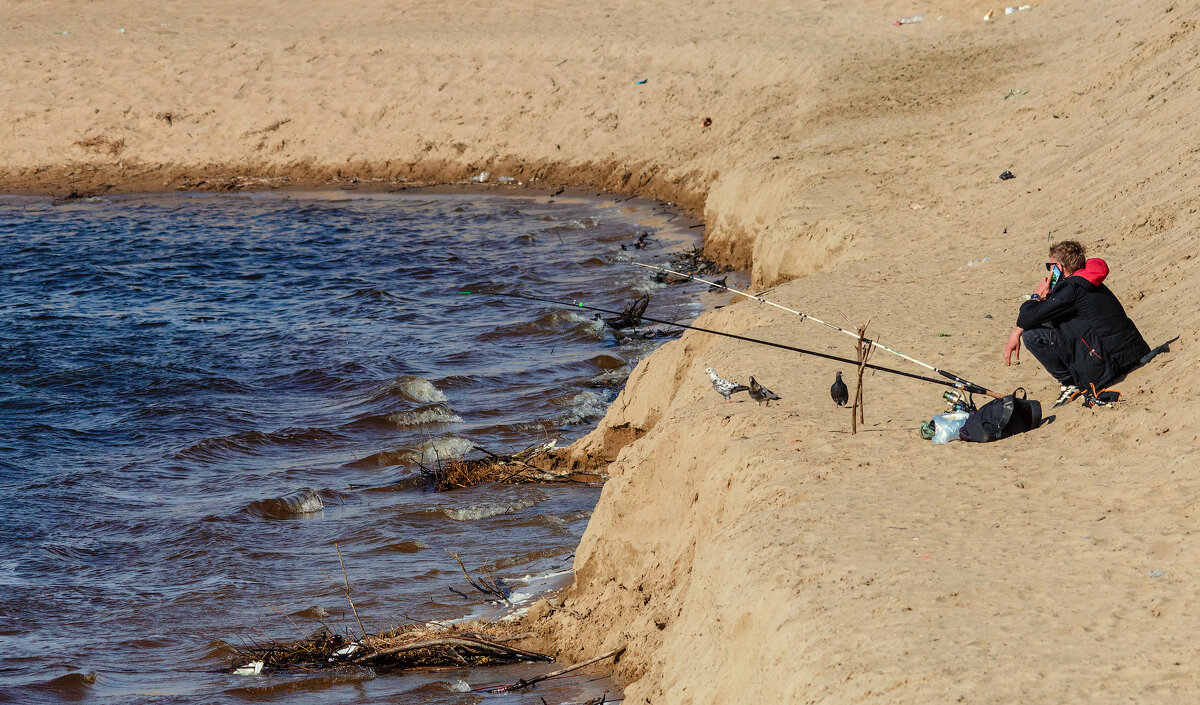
[200, 396]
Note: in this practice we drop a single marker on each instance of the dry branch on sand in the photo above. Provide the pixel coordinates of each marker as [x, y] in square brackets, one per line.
[532, 465]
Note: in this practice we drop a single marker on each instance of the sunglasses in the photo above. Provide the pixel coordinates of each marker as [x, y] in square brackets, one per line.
[1049, 265]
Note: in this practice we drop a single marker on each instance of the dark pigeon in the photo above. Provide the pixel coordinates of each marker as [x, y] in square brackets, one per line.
[839, 392]
[760, 393]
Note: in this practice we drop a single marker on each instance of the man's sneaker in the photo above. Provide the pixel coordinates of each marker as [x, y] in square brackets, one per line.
[1067, 392]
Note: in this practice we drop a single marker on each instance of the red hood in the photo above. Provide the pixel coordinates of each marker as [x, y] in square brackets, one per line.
[1095, 270]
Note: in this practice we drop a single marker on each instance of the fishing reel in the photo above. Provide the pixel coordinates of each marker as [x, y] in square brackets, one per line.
[959, 399]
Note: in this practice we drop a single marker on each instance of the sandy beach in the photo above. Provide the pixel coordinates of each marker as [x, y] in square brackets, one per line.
[748, 554]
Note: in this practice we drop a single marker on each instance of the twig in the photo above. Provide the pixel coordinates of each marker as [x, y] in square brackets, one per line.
[346, 579]
[486, 586]
[553, 674]
[462, 641]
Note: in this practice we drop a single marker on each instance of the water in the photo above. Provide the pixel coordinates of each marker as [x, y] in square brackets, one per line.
[201, 395]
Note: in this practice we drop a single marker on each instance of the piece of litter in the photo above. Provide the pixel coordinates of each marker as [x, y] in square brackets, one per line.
[251, 669]
[506, 179]
[988, 16]
[481, 177]
[1158, 574]
[915, 206]
[1006, 175]
[642, 82]
[924, 556]
[707, 122]
[346, 650]
[911, 19]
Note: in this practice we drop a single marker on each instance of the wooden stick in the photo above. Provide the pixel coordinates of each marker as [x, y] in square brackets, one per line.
[346, 580]
[451, 641]
[865, 347]
[553, 674]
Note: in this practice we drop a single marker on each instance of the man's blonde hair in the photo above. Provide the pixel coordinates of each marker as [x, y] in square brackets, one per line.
[1072, 254]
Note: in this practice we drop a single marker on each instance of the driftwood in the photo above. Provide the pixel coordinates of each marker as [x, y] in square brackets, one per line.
[404, 648]
[468, 644]
[417, 645]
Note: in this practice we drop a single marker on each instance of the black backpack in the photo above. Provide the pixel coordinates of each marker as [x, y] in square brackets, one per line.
[1001, 418]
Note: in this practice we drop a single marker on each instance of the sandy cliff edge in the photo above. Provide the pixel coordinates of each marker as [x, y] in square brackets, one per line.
[748, 554]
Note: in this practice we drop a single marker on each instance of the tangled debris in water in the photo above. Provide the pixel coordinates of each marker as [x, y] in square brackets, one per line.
[405, 647]
[535, 464]
[694, 262]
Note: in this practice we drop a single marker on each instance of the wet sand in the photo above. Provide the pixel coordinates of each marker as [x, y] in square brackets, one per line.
[747, 554]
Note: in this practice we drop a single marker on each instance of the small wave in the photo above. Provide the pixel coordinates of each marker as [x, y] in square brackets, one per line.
[584, 406]
[428, 453]
[70, 686]
[485, 510]
[251, 442]
[407, 546]
[574, 224]
[371, 294]
[294, 689]
[554, 322]
[302, 501]
[318, 380]
[409, 387]
[594, 326]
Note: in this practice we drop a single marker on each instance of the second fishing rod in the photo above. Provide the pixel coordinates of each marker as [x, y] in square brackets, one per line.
[964, 385]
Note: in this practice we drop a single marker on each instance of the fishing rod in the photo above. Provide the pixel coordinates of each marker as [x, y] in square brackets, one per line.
[964, 385]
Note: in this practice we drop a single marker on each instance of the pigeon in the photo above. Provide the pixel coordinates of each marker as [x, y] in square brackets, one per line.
[760, 393]
[723, 386]
[838, 391]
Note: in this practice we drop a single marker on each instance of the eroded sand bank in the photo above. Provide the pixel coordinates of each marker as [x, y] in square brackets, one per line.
[748, 554]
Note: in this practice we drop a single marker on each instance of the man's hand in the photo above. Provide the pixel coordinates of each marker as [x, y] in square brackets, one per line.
[1013, 346]
[1043, 289]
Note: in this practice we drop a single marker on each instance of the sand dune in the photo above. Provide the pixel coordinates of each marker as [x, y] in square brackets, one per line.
[749, 554]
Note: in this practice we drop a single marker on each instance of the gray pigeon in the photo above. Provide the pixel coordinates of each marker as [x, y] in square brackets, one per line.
[760, 393]
[838, 391]
[723, 386]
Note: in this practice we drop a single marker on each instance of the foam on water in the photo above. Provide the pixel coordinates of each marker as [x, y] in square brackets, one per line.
[442, 448]
[584, 406]
[432, 414]
[412, 388]
[485, 510]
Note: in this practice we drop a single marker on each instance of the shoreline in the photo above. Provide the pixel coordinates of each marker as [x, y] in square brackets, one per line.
[746, 554]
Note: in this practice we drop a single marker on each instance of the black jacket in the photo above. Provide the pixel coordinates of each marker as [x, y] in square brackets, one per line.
[1102, 342]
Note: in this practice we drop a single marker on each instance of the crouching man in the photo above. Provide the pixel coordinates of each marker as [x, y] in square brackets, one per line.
[1075, 326]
